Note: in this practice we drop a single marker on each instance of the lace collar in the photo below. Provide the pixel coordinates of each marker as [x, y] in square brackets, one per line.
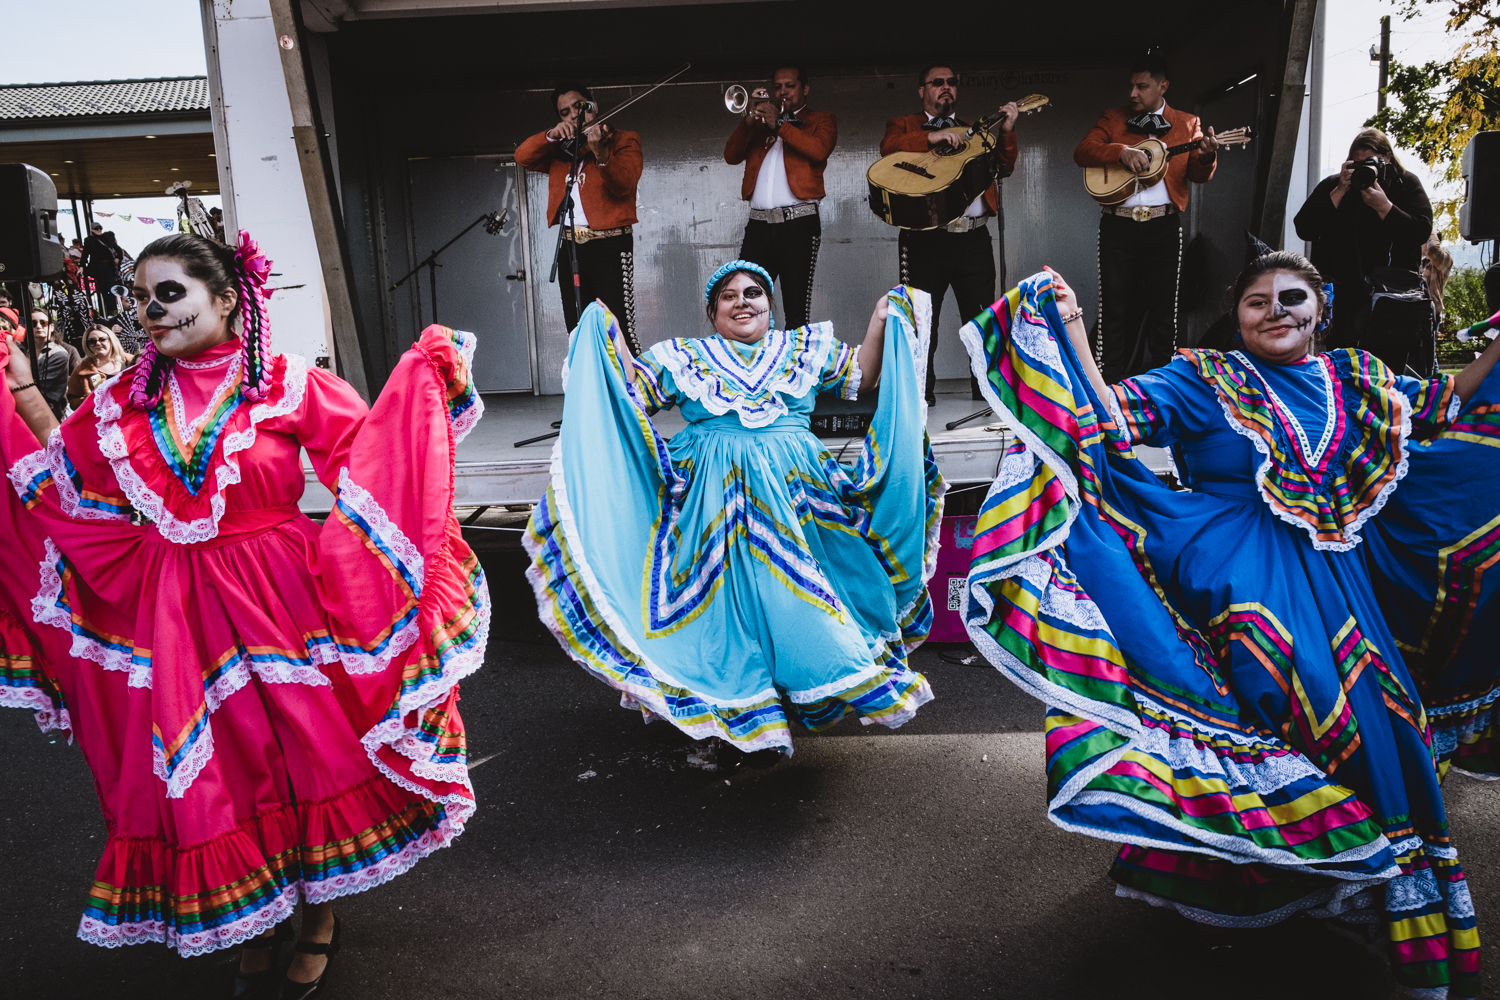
[711, 371]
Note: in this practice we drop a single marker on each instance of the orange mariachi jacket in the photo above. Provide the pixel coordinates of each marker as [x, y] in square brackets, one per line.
[1109, 137]
[906, 134]
[607, 190]
[805, 151]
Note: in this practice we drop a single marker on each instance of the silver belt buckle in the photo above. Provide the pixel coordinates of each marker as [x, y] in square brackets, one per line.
[1141, 213]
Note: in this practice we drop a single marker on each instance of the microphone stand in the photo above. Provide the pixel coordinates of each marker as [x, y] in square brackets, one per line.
[493, 223]
[565, 212]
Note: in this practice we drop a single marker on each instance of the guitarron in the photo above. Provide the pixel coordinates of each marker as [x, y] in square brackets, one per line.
[930, 189]
[1112, 184]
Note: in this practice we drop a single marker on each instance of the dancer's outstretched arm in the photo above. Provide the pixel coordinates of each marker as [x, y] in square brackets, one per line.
[873, 348]
[30, 403]
[1468, 381]
[1067, 307]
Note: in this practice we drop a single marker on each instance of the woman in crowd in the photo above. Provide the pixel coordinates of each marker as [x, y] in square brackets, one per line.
[105, 359]
[1256, 705]
[769, 569]
[269, 707]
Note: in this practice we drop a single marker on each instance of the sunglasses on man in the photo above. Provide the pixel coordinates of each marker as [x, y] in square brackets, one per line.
[943, 81]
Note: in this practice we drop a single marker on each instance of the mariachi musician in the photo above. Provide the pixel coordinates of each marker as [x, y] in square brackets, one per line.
[603, 204]
[961, 253]
[784, 147]
[1140, 239]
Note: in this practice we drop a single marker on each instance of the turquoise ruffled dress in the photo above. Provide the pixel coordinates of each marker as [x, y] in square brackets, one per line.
[740, 567]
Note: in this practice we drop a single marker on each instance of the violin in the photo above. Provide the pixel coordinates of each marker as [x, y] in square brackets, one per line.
[566, 148]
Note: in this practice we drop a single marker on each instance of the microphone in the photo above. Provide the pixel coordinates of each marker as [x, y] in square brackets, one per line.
[588, 106]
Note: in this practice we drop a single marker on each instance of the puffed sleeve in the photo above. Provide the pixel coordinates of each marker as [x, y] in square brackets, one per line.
[1434, 403]
[653, 378]
[1162, 406]
[841, 375]
[332, 414]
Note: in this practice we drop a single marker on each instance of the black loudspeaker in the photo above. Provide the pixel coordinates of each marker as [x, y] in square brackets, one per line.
[834, 417]
[1479, 215]
[29, 247]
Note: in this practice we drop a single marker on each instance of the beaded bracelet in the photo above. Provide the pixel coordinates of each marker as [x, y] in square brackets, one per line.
[1070, 317]
[28, 385]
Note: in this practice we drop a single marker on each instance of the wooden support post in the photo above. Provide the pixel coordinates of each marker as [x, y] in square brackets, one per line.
[1288, 119]
[322, 199]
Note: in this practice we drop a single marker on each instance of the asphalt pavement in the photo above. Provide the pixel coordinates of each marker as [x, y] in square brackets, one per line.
[914, 863]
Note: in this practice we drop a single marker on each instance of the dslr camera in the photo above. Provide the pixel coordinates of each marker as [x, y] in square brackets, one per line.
[1370, 170]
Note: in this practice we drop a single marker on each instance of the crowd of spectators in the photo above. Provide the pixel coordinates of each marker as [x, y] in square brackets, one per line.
[64, 374]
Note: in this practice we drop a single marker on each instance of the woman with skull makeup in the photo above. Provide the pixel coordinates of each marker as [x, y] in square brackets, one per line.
[709, 578]
[268, 706]
[1256, 706]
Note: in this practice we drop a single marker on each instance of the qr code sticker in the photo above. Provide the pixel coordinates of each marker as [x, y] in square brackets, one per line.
[956, 592]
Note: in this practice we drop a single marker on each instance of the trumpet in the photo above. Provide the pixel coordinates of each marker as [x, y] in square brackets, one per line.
[739, 101]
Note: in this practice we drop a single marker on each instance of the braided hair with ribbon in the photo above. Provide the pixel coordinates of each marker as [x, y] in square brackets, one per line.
[244, 269]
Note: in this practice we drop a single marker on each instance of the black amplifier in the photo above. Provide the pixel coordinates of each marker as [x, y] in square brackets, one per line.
[833, 417]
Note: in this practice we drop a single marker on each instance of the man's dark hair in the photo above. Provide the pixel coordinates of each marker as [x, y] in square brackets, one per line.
[1150, 63]
[922, 79]
[801, 72]
[568, 85]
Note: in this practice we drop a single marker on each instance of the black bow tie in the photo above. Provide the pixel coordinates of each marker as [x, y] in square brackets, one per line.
[1149, 123]
[938, 123]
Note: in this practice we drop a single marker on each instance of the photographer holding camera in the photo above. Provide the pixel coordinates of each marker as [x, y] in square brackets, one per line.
[1367, 225]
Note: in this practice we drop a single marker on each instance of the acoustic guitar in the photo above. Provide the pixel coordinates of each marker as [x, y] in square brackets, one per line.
[930, 189]
[1112, 184]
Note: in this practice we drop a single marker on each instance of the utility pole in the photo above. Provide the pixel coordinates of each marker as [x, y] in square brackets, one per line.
[1385, 60]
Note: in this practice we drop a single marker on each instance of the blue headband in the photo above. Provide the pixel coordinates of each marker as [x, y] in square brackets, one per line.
[730, 268]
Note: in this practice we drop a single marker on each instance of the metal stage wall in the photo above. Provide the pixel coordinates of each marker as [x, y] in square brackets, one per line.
[406, 93]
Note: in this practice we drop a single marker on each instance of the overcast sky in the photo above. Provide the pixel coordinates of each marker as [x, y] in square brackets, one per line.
[114, 40]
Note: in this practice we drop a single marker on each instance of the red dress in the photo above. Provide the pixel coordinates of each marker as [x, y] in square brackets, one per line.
[269, 707]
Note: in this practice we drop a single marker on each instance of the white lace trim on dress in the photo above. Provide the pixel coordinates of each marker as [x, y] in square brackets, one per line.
[150, 503]
[718, 386]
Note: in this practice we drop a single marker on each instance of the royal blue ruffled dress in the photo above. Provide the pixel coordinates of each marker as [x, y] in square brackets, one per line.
[710, 578]
[1225, 669]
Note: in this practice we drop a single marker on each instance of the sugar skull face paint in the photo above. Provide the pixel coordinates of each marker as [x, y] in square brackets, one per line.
[1278, 314]
[177, 310]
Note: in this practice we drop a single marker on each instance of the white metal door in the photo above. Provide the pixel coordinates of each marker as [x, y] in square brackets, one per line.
[481, 283]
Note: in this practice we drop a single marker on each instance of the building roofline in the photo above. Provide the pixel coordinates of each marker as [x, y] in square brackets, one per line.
[100, 83]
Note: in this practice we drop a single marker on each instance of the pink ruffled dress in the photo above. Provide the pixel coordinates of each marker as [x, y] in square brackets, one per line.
[268, 706]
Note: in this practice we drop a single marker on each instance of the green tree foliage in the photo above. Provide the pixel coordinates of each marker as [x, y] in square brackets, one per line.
[1463, 299]
[1443, 104]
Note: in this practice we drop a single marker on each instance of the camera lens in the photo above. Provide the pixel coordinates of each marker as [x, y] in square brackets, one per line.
[1366, 172]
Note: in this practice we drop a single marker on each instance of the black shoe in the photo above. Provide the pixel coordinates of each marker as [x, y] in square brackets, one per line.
[763, 759]
[728, 756]
[261, 985]
[293, 990]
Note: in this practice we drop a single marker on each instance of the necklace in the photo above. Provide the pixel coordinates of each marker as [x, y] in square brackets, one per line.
[200, 365]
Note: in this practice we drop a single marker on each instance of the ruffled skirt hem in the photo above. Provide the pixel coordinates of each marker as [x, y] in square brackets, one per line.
[214, 895]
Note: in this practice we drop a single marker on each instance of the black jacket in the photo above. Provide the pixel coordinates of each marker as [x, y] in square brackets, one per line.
[52, 370]
[1352, 240]
[98, 259]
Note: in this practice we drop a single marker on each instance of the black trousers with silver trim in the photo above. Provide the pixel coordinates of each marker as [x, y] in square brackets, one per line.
[935, 259]
[607, 270]
[789, 253]
[1139, 264]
